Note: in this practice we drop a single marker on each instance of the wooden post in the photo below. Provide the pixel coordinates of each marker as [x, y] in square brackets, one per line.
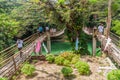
[94, 41]
[48, 42]
[14, 63]
[40, 49]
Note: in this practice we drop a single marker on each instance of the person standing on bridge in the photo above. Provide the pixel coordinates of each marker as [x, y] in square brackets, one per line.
[100, 29]
[20, 45]
[47, 28]
[40, 30]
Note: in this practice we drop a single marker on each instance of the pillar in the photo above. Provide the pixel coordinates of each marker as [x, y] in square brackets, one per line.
[40, 49]
[48, 42]
[94, 41]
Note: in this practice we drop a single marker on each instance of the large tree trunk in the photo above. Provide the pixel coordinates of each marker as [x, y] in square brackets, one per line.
[109, 18]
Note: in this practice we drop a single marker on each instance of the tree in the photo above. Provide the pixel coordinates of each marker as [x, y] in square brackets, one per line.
[71, 14]
[116, 26]
[116, 17]
[8, 29]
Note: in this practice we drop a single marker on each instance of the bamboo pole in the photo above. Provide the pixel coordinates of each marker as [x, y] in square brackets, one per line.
[94, 41]
[48, 42]
[14, 63]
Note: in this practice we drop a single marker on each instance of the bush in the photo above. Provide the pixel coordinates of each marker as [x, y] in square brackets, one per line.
[59, 60]
[28, 69]
[66, 63]
[68, 55]
[83, 68]
[50, 58]
[75, 59]
[66, 71]
[2, 78]
[114, 75]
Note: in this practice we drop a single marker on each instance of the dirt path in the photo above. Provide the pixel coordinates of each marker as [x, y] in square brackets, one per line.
[46, 71]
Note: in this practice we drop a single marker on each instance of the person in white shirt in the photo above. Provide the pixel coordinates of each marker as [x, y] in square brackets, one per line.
[20, 45]
[54, 30]
[47, 28]
[100, 29]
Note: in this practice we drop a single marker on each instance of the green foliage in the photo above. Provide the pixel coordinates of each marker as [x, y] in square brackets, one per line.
[28, 69]
[35, 1]
[116, 26]
[28, 15]
[114, 75]
[75, 59]
[7, 6]
[2, 78]
[8, 29]
[66, 63]
[59, 60]
[83, 68]
[50, 58]
[61, 1]
[66, 71]
[68, 55]
[93, 1]
[115, 9]
[83, 47]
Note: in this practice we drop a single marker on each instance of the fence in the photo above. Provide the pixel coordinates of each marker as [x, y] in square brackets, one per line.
[13, 49]
[10, 66]
[115, 39]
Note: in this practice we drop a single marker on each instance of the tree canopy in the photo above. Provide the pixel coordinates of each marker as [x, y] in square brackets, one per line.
[21, 16]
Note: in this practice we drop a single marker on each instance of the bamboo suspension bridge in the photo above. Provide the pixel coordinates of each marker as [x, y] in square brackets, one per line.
[11, 60]
[113, 49]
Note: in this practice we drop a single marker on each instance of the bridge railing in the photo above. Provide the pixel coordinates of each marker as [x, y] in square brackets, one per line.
[13, 49]
[115, 39]
[113, 49]
[11, 64]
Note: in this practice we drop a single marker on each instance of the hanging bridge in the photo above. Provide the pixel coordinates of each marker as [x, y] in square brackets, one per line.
[113, 49]
[11, 60]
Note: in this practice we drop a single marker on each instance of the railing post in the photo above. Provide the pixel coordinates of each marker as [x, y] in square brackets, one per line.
[14, 62]
[48, 42]
[40, 49]
[94, 41]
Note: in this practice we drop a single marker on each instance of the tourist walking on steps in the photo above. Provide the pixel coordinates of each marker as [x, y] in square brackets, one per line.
[20, 45]
[100, 29]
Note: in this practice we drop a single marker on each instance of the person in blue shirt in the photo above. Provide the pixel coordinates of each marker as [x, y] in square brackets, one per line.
[40, 29]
